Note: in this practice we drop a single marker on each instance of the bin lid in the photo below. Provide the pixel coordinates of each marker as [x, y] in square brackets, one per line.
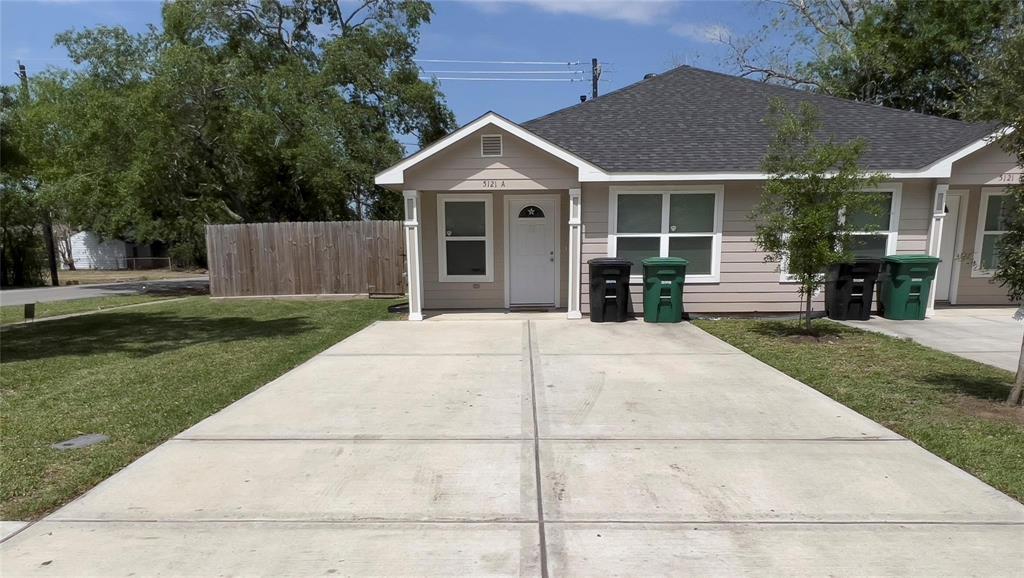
[610, 262]
[911, 259]
[663, 261]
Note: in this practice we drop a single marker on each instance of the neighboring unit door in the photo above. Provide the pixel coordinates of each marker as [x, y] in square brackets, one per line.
[531, 251]
[948, 269]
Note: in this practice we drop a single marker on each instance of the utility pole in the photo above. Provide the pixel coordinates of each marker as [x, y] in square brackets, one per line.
[595, 75]
[51, 251]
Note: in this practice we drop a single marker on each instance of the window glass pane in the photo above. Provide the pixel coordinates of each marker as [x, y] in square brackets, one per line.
[869, 246]
[691, 213]
[989, 255]
[995, 213]
[465, 219]
[636, 249]
[466, 257]
[696, 250]
[531, 212]
[865, 221]
[639, 214]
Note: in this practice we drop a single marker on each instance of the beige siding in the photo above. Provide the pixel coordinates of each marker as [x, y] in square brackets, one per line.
[438, 295]
[748, 284]
[915, 216]
[522, 167]
[989, 166]
[974, 290]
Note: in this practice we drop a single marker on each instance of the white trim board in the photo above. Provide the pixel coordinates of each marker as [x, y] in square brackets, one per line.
[960, 228]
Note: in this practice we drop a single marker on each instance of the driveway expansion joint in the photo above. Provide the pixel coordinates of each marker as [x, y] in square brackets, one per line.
[536, 452]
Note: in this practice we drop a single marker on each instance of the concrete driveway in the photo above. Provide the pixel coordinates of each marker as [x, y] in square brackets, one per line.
[541, 447]
[987, 334]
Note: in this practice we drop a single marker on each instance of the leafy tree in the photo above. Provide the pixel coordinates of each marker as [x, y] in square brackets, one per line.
[999, 96]
[812, 185]
[232, 111]
[21, 250]
[918, 55]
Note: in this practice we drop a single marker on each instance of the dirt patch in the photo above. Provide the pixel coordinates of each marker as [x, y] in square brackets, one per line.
[991, 409]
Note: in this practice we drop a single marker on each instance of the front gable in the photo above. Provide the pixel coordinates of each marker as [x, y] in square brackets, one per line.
[491, 159]
[539, 164]
[990, 165]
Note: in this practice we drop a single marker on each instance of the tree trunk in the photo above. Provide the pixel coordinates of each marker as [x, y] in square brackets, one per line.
[1018, 384]
[807, 310]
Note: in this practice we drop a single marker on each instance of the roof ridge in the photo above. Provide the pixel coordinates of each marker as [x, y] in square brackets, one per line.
[657, 76]
[690, 118]
[827, 96]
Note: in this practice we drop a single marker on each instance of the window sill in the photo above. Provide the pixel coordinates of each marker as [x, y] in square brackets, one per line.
[986, 274]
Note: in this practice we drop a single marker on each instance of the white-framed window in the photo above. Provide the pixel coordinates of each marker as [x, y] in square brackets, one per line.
[465, 238]
[879, 234]
[991, 227]
[669, 221]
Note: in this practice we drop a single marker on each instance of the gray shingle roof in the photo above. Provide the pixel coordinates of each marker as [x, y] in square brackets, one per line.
[693, 120]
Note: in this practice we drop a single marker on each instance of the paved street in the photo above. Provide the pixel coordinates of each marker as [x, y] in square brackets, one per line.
[191, 285]
[542, 447]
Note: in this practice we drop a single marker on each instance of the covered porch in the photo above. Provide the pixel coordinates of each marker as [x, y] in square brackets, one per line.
[492, 221]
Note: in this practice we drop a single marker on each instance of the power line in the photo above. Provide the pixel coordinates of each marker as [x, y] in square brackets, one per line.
[503, 71]
[536, 62]
[504, 79]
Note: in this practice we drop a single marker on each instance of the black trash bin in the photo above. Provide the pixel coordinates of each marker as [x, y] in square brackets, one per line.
[609, 289]
[850, 288]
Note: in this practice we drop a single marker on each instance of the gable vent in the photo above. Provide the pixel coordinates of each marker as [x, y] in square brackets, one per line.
[490, 145]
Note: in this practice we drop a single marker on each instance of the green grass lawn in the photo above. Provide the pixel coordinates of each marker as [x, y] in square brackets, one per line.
[951, 406]
[141, 375]
[16, 313]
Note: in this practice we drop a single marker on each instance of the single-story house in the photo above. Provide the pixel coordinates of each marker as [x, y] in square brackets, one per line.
[91, 251]
[500, 215]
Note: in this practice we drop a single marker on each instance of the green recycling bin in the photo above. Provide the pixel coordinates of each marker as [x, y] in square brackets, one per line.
[906, 281]
[663, 289]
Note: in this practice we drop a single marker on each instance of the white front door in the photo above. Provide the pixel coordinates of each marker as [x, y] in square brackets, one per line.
[949, 265]
[532, 268]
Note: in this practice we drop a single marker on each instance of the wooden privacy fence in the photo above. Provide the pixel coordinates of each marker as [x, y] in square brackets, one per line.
[317, 258]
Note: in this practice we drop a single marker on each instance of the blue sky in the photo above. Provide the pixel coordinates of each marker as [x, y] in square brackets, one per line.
[631, 38]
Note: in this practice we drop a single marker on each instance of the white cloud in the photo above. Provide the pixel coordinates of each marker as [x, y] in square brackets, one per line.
[631, 11]
[705, 33]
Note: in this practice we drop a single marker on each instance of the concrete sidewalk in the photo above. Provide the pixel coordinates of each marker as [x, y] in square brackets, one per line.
[545, 447]
[986, 334]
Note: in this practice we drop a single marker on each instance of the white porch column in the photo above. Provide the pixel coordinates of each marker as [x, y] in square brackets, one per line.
[575, 252]
[935, 235]
[413, 254]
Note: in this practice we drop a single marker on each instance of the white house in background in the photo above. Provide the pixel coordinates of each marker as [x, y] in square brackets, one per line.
[499, 214]
[92, 252]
